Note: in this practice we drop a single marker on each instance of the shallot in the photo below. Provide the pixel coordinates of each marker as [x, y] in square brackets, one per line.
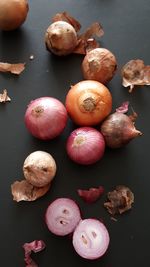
[91, 239]
[39, 168]
[62, 216]
[88, 102]
[85, 145]
[118, 128]
[12, 13]
[45, 118]
[100, 65]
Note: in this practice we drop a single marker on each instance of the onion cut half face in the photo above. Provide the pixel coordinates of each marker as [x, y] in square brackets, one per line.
[91, 239]
[62, 216]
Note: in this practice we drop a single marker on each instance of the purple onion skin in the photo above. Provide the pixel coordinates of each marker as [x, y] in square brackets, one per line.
[91, 239]
[85, 145]
[118, 130]
[62, 216]
[46, 118]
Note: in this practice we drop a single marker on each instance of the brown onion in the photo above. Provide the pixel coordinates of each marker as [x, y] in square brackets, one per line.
[39, 168]
[118, 129]
[88, 102]
[12, 13]
[61, 38]
[100, 65]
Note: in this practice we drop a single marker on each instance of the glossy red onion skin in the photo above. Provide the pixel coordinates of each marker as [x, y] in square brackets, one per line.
[46, 118]
[62, 216]
[91, 195]
[91, 239]
[90, 150]
[118, 130]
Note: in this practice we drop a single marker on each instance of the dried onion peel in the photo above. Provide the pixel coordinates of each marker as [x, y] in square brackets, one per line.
[13, 68]
[24, 191]
[120, 200]
[4, 97]
[135, 73]
[35, 246]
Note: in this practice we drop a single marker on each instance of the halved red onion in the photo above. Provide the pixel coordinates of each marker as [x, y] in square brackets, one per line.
[46, 118]
[85, 145]
[90, 239]
[62, 216]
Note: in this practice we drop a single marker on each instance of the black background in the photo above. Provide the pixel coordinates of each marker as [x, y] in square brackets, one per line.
[126, 25]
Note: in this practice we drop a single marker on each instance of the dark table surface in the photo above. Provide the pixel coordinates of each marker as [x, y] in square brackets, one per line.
[126, 25]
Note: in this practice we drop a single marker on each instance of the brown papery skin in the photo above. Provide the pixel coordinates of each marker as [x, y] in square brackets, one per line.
[39, 168]
[100, 65]
[61, 38]
[24, 191]
[118, 129]
[88, 103]
[12, 14]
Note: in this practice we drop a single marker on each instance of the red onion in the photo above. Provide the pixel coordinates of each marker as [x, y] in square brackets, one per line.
[45, 118]
[90, 239]
[118, 129]
[62, 216]
[85, 145]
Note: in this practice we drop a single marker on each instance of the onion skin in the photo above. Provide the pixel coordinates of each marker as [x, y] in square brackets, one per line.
[85, 145]
[45, 118]
[91, 239]
[61, 38]
[39, 168]
[88, 103]
[100, 65]
[25, 191]
[118, 129]
[92, 194]
[12, 14]
[62, 216]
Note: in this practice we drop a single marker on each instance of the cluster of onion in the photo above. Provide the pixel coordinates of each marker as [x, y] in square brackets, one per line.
[88, 103]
